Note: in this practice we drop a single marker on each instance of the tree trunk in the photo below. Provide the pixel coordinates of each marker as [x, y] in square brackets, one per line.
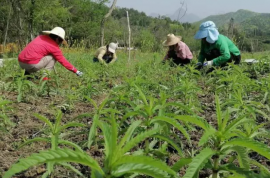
[129, 36]
[18, 20]
[6, 32]
[31, 20]
[103, 22]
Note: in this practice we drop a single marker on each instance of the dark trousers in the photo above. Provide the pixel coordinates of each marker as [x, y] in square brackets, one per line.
[216, 53]
[176, 60]
[106, 58]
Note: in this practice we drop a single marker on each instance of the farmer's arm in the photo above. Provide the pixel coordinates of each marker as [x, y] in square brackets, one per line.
[100, 56]
[166, 56]
[114, 58]
[58, 56]
[225, 53]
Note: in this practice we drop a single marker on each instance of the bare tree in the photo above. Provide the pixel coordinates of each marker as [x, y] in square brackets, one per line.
[103, 22]
[7, 27]
[231, 28]
[19, 21]
[183, 6]
[129, 35]
[31, 20]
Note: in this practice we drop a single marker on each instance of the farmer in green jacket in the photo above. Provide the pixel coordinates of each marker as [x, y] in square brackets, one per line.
[217, 49]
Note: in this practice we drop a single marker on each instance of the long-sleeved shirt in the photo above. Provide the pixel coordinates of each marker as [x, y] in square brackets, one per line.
[101, 52]
[40, 47]
[225, 46]
[182, 51]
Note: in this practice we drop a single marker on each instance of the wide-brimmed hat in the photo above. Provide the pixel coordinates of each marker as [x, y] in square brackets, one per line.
[112, 47]
[209, 31]
[172, 40]
[56, 31]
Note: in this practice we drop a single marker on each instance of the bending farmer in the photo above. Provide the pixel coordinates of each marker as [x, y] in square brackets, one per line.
[106, 54]
[217, 49]
[44, 51]
[178, 51]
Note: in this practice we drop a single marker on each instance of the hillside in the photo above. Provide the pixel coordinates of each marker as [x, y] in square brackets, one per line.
[258, 25]
[189, 17]
[238, 16]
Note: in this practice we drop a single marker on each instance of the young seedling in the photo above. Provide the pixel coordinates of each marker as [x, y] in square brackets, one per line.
[55, 140]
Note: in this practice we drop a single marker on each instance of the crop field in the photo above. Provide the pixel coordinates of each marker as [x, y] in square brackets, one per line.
[137, 118]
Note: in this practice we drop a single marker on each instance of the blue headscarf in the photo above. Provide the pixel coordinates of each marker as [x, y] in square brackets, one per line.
[209, 31]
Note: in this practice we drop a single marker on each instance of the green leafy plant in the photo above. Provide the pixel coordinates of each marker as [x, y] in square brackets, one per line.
[219, 143]
[23, 86]
[5, 121]
[118, 160]
[55, 140]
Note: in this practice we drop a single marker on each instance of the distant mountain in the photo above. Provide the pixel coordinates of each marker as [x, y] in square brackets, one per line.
[182, 17]
[238, 16]
[155, 15]
[259, 24]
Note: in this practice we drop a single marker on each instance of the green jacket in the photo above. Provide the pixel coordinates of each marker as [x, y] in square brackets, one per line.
[225, 47]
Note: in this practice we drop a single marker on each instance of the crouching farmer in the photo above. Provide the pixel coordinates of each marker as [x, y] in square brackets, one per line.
[44, 51]
[178, 51]
[217, 49]
[106, 54]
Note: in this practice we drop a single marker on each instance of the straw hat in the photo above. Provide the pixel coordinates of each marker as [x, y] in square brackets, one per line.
[56, 31]
[172, 40]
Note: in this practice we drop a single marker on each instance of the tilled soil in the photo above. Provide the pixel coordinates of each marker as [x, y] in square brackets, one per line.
[28, 127]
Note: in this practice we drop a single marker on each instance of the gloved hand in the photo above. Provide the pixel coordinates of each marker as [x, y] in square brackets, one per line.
[208, 63]
[199, 66]
[79, 73]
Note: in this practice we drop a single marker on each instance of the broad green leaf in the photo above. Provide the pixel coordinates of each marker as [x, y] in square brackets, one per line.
[240, 171]
[195, 120]
[72, 124]
[198, 162]
[107, 133]
[235, 123]
[206, 136]
[68, 166]
[144, 160]
[129, 133]
[92, 102]
[135, 141]
[46, 174]
[59, 155]
[68, 143]
[58, 120]
[219, 113]
[114, 137]
[171, 142]
[174, 123]
[141, 94]
[44, 119]
[39, 139]
[262, 167]
[92, 131]
[181, 163]
[258, 147]
[242, 157]
[141, 169]
[181, 106]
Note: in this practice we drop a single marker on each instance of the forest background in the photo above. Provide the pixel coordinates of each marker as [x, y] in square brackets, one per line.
[22, 20]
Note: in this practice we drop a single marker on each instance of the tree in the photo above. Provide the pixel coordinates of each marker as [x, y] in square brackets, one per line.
[103, 22]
